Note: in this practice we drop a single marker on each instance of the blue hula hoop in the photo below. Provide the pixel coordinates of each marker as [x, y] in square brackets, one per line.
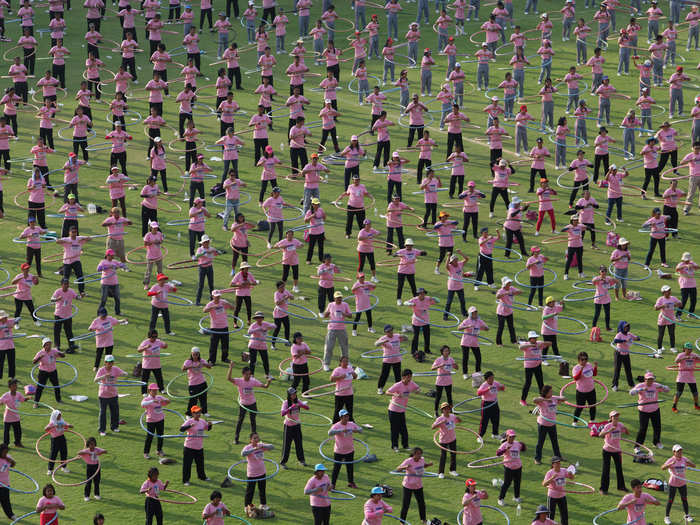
[183, 301]
[164, 436]
[453, 233]
[313, 317]
[568, 297]
[504, 260]
[575, 418]
[550, 283]
[208, 108]
[371, 307]
[444, 312]
[93, 277]
[7, 278]
[523, 307]
[652, 354]
[245, 20]
[359, 460]
[553, 140]
[268, 338]
[369, 354]
[584, 326]
[485, 339]
[205, 330]
[75, 377]
[40, 319]
[349, 497]
[240, 203]
[472, 410]
[560, 93]
[234, 517]
[36, 485]
[579, 285]
[386, 516]
[92, 131]
[425, 474]
[595, 518]
[301, 214]
[461, 512]
[45, 239]
[269, 476]
[354, 79]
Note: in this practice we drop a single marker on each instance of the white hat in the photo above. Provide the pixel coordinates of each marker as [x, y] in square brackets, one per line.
[457, 64]
[157, 139]
[453, 258]
[665, 288]
[354, 137]
[622, 241]
[613, 413]
[408, 241]
[45, 340]
[502, 163]
[494, 99]
[472, 309]
[395, 154]
[543, 15]
[327, 101]
[505, 280]
[532, 334]
[686, 256]
[516, 200]
[244, 265]
[676, 447]
[3, 314]
[109, 358]
[195, 350]
[613, 166]
[205, 238]
[484, 44]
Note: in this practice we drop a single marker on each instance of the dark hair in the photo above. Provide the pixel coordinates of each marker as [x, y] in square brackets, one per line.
[153, 471]
[97, 518]
[635, 483]
[443, 347]
[91, 440]
[546, 389]
[47, 487]
[245, 369]
[279, 283]
[296, 336]
[406, 372]
[488, 374]
[152, 333]
[215, 494]
[4, 447]
[582, 354]
[416, 449]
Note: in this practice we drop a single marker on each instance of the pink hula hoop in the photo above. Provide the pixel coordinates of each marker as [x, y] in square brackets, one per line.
[663, 173]
[479, 440]
[605, 397]
[476, 462]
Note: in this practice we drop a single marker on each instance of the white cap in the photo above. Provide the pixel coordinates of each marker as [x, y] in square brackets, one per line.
[195, 350]
[505, 280]
[45, 340]
[472, 309]
[457, 64]
[503, 163]
[532, 334]
[157, 139]
[622, 241]
[395, 154]
[665, 288]
[484, 44]
[204, 239]
[516, 200]
[244, 265]
[543, 15]
[676, 447]
[613, 166]
[408, 241]
[494, 99]
[354, 137]
[327, 101]
[453, 258]
[109, 358]
[686, 256]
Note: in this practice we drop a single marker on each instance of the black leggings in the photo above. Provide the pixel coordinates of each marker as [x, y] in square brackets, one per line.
[484, 266]
[17, 430]
[663, 159]
[605, 159]
[278, 226]
[554, 346]
[671, 335]
[649, 174]
[465, 358]
[386, 368]
[240, 299]
[620, 361]
[324, 294]
[438, 395]
[349, 467]
[10, 354]
[502, 321]
[301, 375]
[292, 434]
[252, 409]
[322, 515]
[153, 508]
[596, 314]
[683, 491]
[529, 372]
[411, 278]
[366, 256]
[570, 253]
[495, 193]
[586, 398]
[652, 246]
[285, 271]
[341, 402]
[542, 432]
[58, 447]
[264, 357]
[452, 445]
[426, 338]
[406, 502]
[95, 482]
[514, 476]
[536, 286]
[553, 503]
[279, 323]
[510, 235]
[157, 373]
[430, 213]
[644, 418]
[583, 184]
[605, 473]
[250, 489]
[198, 397]
[472, 217]
[313, 240]
[358, 315]
[5, 502]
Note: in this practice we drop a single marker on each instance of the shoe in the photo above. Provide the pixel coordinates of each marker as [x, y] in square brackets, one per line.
[454, 473]
[688, 518]
[523, 403]
[395, 449]
[538, 462]
[436, 271]
[398, 302]
[160, 454]
[103, 434]
[501, 502]
[283, 466]
[371, 330]
[186, 483]
[465, 376]
[66, 470]
[49, 472]
[667, 520]
[146, 456]
[674, 409]
[171, 333]
[380, 391]
[441, 475]
[673, 350]
[566, 276]
[614, 389]
[87, 498]
[98, 497]
[545, 363]
[354, 333]
[374, 279]
[295, 289]
[518, 500]
[660, 445]
[537, 234]
[352, 485]
[491, 215]
[581, 275]
[326, 368]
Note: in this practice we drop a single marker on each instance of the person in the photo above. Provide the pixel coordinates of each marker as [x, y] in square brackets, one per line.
[406, 270]
[513, 226]
[504, 312]
[6, 463]
[375, 507]
[49, 504]
[676, 466]
[150, 362]
[546, 421]
[686, 362]
[647, 393]
[542, 516]
[343, 376]
[108, 396]
[23, 291]
[447, 438]
[290, 258]
[243, 281]
[666, 305]
[218, 329]
[511, 450]
[316, 217]
[622, 342]
[391, 356]
[420, 319]
[344, 449]
[152, 488]
[413, 468]
[337, 312]
[46, 359]
[658, 232]
[532, 361]
[254, 453]
[257, 342]
[686, 269]
[400, 392]
[317, 488]
[56, 429]
[246, 397]
[443, 366]
[602, 282]
[490, 411]
[300, 367]
[216, 510]
[193, 450]
[109, 281]
[620, 259]
[365, 248]
[33, 235]
[72, 250]
[535, 266]
[90, 456]
[636, 501]
[555, 481]
[11, 416]
[291, 408]
[103, 326]
[197, 384]
[612, 434]
[205, 258]
[583, 374]
[63, 314]
[574, 246]
[153, 404]
[471, 326]
[362, 291]
[152, 241]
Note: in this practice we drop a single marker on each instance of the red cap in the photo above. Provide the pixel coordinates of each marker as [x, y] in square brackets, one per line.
[427, 50]
[161, 276]
[71, 154]
[523, 107]
[24, 266]
[469, 482]
[679, 68]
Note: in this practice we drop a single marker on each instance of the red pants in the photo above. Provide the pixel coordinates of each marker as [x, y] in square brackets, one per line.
[540, 216]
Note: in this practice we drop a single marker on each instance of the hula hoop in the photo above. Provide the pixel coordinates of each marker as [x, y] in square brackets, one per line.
[444, 312]
[210, 383]
[131, 252]
[354, 79]
[306, 394]
[40, 319]
[53, 197]
[50, 522]
[181, 301]
[680, 323]
[571, 425]
[313, 317]
[41, 403]
[479, 440]
[672, 168]
[595, 518]
[8, 487]
[515, 278]
[283, 370]
[568, 297]
[425, 474]
[523, 307]
[461, 512]
[301, 214]
[630, 405]
[486, 341]
[75, 377]
[351, 28]
[640, 445]
[260, 412]
[139, 356]
[419, 411]
[58, 133]
[652, 354]
[567, 173]
[369, 354]
[472, 410]
[234, 517]
[92, 277]
[453, 233]
[164, 436]
[504, 260]
[125, 382]
[36, 446]
[589, 489]
[636, 279]
[204, 330]
[268, 338]
[561, 393]
[44, 239]
[253, 235]
[233, 478]
[348, 498]
[584, 326]
[359, 460]
[371, 307]
[192, 501]
[385, 515]
[327, 422]
[84, 482]
[240, 203]
[477, 462]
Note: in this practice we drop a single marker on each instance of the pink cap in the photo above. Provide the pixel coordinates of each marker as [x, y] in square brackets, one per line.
[153, 386]
[510, 432]
[109, 251]
[268, 149]
[471, 183]
[649, 375]
[534, 249]
[216, 293]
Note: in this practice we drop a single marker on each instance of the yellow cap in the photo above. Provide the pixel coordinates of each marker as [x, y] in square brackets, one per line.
[549, 299]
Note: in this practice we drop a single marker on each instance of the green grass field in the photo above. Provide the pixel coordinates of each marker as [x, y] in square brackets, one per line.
[124, 469]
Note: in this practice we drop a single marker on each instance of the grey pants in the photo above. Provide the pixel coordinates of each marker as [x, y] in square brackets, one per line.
[670, 53]
[149, 269]
[426, 81]
[604, 110]
[560, 153]
[423, 9]
[318, 47]
[223, 44]
[360, 17]
[482, 76]
[693, 188]
[581, 132]
[548, 114]
[341, 336]
[652, 30]
[373, 47]
[676, 101]
[404, 98]
[413, 51]
[658, 71]
[451, 61]
[508, 103]
[303, 26]
[572, 103]
[389, 67]
[603, 32]
[628, 140]
[581, 51]
[623, 63]
[280, 44]
[646, 119]
[250, 28]
[531, 5]
[331, 30]
[693, 33]
[392, 21]
[567, 26]
[231, 206]
[310, 193]
[363, 88]
[695, 130]
[545, 70]
[676, 11]
[446, 108]
[597, 81]
[111, 290]
[521, 139]
[519, 77]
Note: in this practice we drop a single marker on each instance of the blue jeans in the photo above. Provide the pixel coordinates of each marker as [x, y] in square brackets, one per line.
[231, 205]
[612, 203]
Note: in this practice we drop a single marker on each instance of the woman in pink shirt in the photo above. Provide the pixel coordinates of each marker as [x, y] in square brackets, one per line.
[420, 319]
[574, 233]
[413, 468]
[254, 453]
[455, 282]
[362, 291]
[657, 225]
[677, 466]
[23, 291]
[153, 404]
[317, 489]
[291, 409]
[686, 362]
[443, 365]
[669, 148]
[365, 248]
[11, 400]
[511, 450]
[246, 396]
[46, 359]
[257, 341]
[280, 315]
[555, 481]
[614, 179]
[103, 326]
[152, 488]
[612, 434]
[504, 312]
[666, 305]
[447, 437]
[56, 429]
[197, 383]
[602, 283]
[290, 257]
[546, 425]
[272, 207]
[471, 326]
[49, 505]
[647, 393]
[90, 456]
[620, 259]
[215, 511]
[583, 374]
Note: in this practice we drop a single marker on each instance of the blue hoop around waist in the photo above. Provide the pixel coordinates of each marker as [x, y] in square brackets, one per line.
[359, 460]
[75, 377]
[269, 476]
[515, 278]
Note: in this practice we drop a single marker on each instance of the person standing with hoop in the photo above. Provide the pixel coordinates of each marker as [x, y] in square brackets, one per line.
[676, 466]
[611, 434]
[686, 362]
[242, 282]
[603, 283]
[90, 456]
[218, 327]
[150, 348]
[336, 312]
[193, 448]
[667, 306]
[400, 392]
[344, 449]
[555, 481]
[490, 411]
[686, 269]
[246, 396]
[56, 429]
[159, 302]
[317, 489]
[420, 319]
[291, 409]
[300, 366]
[197, 384]
[257, 342]
[414, 468]
[406, 270]
[11, 416]
[546, 421]
[391, 359]
[447, 438]
[504, 312]
[583, 374]
[49, 504]
[152, 488]
[109, 400]
[254, 453]
[647, 394]
[511, 449]
[46, 359]
[63, 312]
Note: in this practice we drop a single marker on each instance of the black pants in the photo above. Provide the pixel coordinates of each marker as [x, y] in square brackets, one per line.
[263, 187]
[393, 187]
[671, 335]
[683, 491]
[299, 158]
[154, 317]
[94, 482]
[390, 237]
[58, 448]
[422, 164]
[157, 373]
[322, 515]
[301, 375]
[47, 135]
[412, 132]
[5, 502]
[472, 217]
[16, 427]
[649, 174]
[153, 508]
[495, 193]
[536, 287]
[349, 467]
[199, 397]
[67, 225]
[111, 290]
[120, 158]
[652, 246]
[130, 65]
[536, 174]
[189, 455]
[465, 358]
[664, 157]
[462, 304]
[430, 213]
[324, 294]
[341, 402]
[243, 254]
[80, 143]
[36, 209]
[542, 432]
[292, 434]
[605, 473]
[250, 489]
[315, 239]
[453, 139]
[365, 256]
[77, 268]
[196, 187]
[334, 136]
[596, 314]
[411, 278]
[147, 215]
[456, 182]
[397, 425]
[438, 395]
[157, 428]
[426, 338]
[384, 375]
[111, 404]
[275, 225]
[59, 72]
[529, 372]
[241, 416]
[382, 148]
[586, 398]
[218, 336]
[672, 213]
[358, 316]
[98, 354]
[279, 323]
[30, 61]
[240, 299]
[570, 252]
[514, 476]
[452, 445]
[502, 321]
[202, 14]
[484, 266]
[510, 236]
[285, 272]
[553, 503]
[358, 214]
[489, 413]
[43, 378]
[264, 357]
[10, 354]
[686, 294]
[644, 418]
[583, 184]
[348, 173]
[406, 502]
[620, 361]
[205, 272]
[29, 304]
[605, 160]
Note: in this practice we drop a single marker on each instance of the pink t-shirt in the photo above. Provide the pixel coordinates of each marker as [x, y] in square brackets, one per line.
[317, 489]
[414, 472]
[548, 409]
[470, 331]
[421, 312]
[635, 506]
[343, 436]
[63, 302]
[246, 394]
[47, 360]
[399, 395]
[219, 511]
[106, 380]
[446, 426]
[10, 401]
[103, 327]
[511, 454]
[255, 456]
[444, 370]
[686, 365]
[151, 353]
[195, 433]
[584, 377]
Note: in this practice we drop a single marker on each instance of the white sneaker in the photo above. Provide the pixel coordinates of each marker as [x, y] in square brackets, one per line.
[441, 475]
[667, 520]
[476, 288]
[86, 498]
[581, 275]
[436, 271]
[371, 330]
[688, 518]
[326, 368]
[116, 430]
[614, 389]
[374, 279]
[454, 473]
[49, 472]
[465, 376]
[501, 502]
[490, 215]
[380, 391]
[537, 234]
[660, 445]
[66, 470]
[398, 302]
[545, 363]
[186, 483]
[103, 434]
[295, 289]
[98, 498]
[354, 333]
[673, 350]
[395, 449]
[566, 276]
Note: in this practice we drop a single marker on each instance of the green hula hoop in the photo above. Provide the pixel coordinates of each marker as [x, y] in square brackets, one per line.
[260, 412]
[40, 403]
[419, 411]
[322, 416]
[210, 383]
[575, 418]
[681, 323]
